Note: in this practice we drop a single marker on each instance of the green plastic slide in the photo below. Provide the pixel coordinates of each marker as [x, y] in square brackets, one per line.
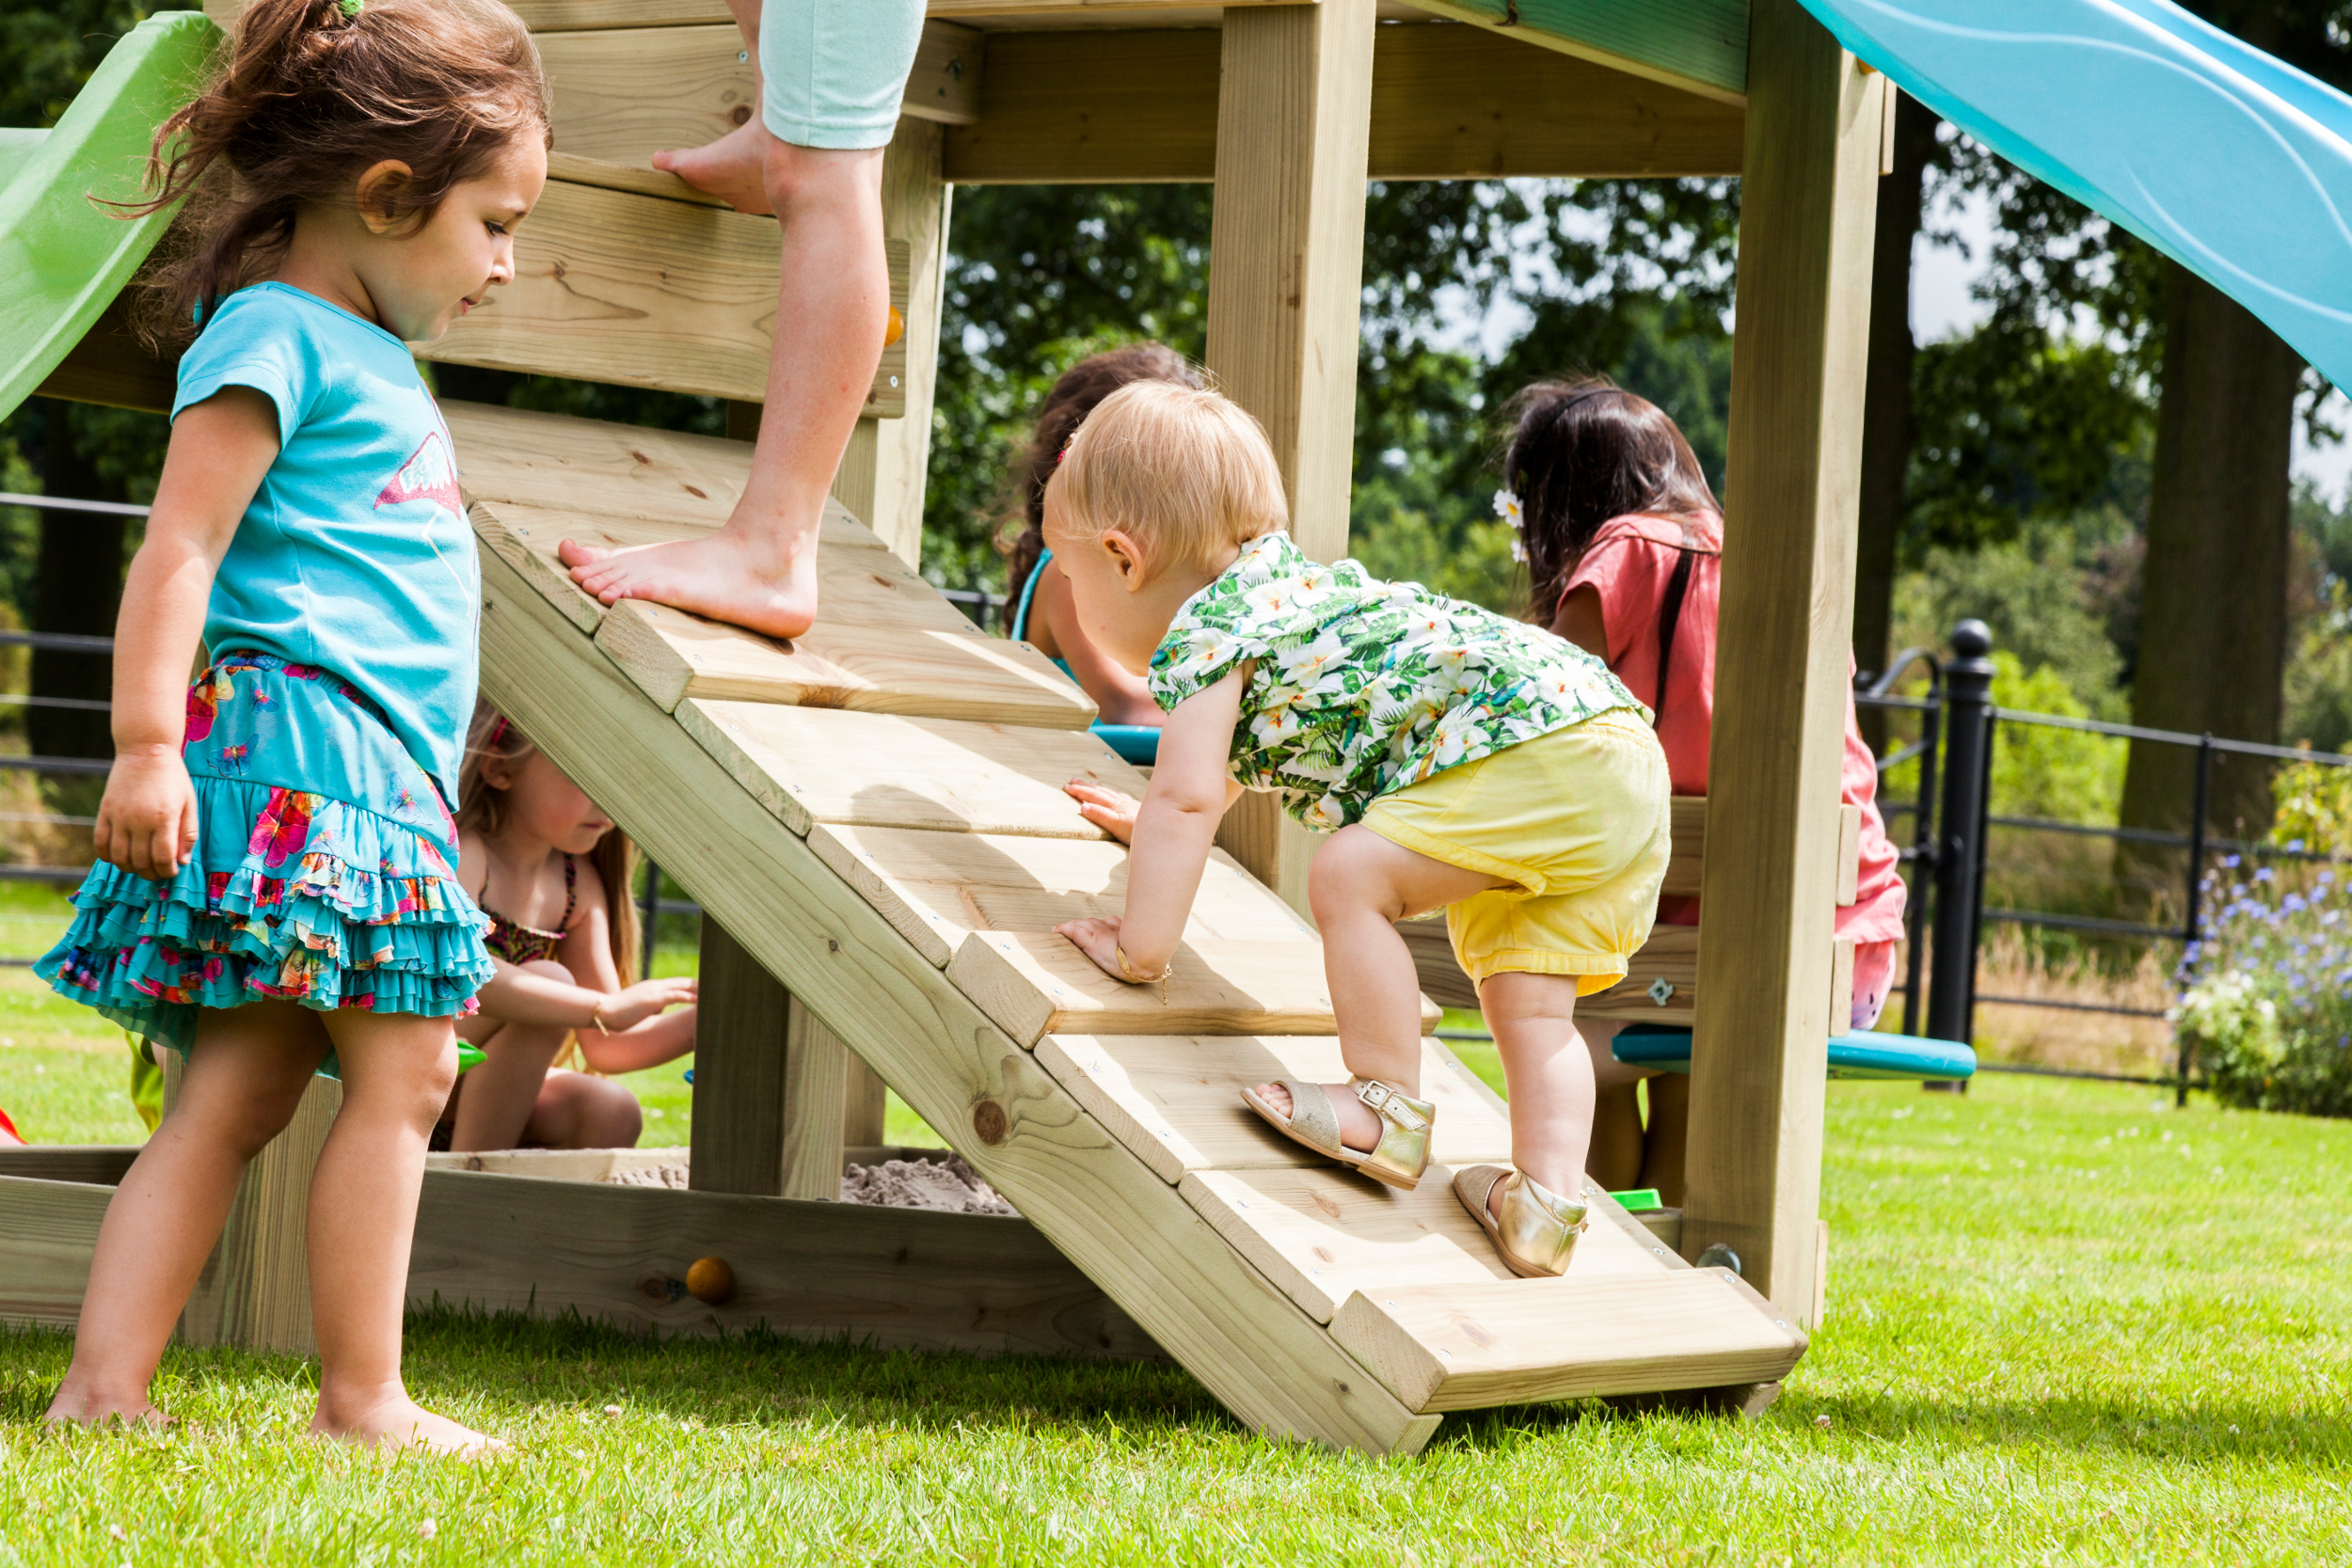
[63, 258]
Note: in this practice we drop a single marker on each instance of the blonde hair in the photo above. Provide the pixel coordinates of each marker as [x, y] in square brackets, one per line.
[481, 809]
[1186, 470]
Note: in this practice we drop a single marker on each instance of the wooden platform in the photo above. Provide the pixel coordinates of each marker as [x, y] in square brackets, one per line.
[900, 873]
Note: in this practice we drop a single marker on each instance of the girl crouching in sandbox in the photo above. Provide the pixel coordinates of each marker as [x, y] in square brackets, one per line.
[551, 872]
[1456, 758]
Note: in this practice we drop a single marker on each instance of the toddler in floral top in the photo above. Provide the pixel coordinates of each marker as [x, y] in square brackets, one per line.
[1458, 759]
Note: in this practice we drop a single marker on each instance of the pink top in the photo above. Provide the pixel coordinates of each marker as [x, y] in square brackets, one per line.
[1629, 564]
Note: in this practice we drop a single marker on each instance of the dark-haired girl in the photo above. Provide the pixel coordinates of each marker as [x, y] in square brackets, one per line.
[1624, 545]
[277, 894]
[1037, 607]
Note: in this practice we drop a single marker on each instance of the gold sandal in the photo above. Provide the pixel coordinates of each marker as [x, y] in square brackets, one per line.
[1403, 1151]
[1538, 1229]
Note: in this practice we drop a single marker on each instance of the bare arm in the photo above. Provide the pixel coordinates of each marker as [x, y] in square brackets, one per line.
[637, 1033]
[1120, 692]
[1581, 622]
[221, 451]
[1171, 835]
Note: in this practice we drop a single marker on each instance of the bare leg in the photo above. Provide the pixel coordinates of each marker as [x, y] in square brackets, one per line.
[576, 1110]
[759, 570]
[397, 1070]
[1550, 1073]
[1361, 886]
[1668, 1139]
[244, 1078]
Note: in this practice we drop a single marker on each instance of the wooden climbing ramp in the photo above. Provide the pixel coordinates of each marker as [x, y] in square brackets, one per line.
[874, 813]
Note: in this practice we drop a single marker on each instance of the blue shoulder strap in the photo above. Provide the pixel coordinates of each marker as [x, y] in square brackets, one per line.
[1028, 591]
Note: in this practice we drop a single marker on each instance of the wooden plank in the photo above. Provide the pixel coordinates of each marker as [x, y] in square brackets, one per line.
[1841, 987]
[1085, 107]
[1105, 1208]
[48, 1230]
[816, 1107]
[642, 291]
[865, 1109]
[574, 170]
[935, 888]
[741, 1018]
[1807, 208]
[1452, 1347]
[553, 16]
[1671, 956]
[255, 1291]
[874, 770]
[560, 1165]
[1686, 871]
[887, 1276]
[590, 466]
[1286, 247]
[1848, 855]
[1321, 1234]
[1176, 1102]
[110, 366]
[100, 1164]
[1700, 46]
[1033, 985]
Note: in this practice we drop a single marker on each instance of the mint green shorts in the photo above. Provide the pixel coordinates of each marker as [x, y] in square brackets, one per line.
[836, 69]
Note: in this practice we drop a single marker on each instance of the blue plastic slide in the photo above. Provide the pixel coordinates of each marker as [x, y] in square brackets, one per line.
[2233, 164]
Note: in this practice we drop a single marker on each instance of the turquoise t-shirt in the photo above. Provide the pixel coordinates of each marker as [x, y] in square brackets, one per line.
[355, 555]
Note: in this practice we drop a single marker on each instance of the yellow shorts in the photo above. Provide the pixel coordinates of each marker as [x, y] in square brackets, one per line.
[1579, 819]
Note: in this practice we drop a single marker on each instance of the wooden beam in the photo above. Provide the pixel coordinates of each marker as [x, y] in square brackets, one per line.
[1700, 46]
[741, 1038]
[48, 1231]
[1448, 103]
[110, 366]
[816, 1108]
[1286, 249]
[886, 1277]
[1086, 1193]
[255, 1291]
[558, 16]
[100, 1164]
[1807, 208]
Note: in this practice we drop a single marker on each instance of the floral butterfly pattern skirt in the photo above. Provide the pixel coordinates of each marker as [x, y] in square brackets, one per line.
[324, 872]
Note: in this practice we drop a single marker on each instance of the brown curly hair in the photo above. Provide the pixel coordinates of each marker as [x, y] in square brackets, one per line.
[309, 97]
[1082, 387]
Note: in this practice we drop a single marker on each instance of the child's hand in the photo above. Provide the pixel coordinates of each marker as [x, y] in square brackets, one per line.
[1097, 939]
[1111, 810]
[632, 1006]
[147, 822]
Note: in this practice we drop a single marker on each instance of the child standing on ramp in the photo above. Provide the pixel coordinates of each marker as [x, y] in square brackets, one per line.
[1458, 759]
[276, 895]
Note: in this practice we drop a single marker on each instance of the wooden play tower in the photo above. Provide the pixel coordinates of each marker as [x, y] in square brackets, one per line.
[871, 818]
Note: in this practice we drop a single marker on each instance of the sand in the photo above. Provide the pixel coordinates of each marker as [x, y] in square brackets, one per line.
[945, 1183]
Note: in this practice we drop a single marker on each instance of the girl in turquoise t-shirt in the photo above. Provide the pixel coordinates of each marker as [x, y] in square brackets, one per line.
[276, 895]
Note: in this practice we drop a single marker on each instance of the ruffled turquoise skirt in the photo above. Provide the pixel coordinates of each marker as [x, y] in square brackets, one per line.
[323, 872]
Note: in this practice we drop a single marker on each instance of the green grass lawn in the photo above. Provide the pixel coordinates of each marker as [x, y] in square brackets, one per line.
[2067, 1325]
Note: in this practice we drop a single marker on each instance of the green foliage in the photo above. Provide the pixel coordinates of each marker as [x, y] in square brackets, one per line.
[2269, 1002]
[2313, 809]
[50, 47]
[2036, 596]
[2064, 775]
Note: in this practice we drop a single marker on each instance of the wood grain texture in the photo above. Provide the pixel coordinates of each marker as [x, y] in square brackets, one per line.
[1671, 954]
[937, 888]
[559, 1164]
[741, 1034]
[640, 290]
[1807, 210]
[48, 1230]
[1176, 1101]
[255, 1291]
[100, 1164]
[110, 366]
[1103, 1206]
[1848, 855]
[888, 1277]
[1286, 251]
[598, 468]
[551, 16]
[1458, 1348]
[1700, 46]
[816, 1108]
[574, 170]
[874, 770]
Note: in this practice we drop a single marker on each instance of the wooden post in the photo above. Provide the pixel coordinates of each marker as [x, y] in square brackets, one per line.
[881, 478]
[741, 1046]
[255, 1291]
[1807, 208]
[1286, 250]
[816, 1077]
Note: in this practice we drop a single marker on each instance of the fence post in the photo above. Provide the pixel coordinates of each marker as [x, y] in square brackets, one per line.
[2192, 927]
[1959, 828]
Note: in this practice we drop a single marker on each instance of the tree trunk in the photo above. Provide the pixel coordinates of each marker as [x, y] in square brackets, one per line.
[2213, 609]
[1886, 424]
[77, 585]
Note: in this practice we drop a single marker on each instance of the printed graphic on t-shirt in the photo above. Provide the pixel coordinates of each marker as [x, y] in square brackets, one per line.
[430, 474]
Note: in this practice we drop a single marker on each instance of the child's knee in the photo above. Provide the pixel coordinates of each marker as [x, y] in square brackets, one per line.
[1346, 877]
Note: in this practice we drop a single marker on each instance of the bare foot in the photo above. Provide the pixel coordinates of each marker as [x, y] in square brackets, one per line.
[726, 576]
[1359, 1124]
[86, 1408]
[400, 1422]
[732, 168]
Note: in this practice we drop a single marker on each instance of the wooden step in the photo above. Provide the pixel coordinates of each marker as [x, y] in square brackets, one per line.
[595, 466]
[1176, 1102]
[938, 888]
[1461, 1347]
[640, 291]
[871, 769]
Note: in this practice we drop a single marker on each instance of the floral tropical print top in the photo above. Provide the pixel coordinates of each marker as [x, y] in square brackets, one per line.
[1364, 687]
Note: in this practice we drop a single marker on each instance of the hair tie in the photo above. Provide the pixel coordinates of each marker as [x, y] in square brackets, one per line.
[350, 7]
[498, 731]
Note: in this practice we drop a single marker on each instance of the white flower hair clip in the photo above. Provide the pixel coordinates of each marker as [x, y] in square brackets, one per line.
[1507, 507]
